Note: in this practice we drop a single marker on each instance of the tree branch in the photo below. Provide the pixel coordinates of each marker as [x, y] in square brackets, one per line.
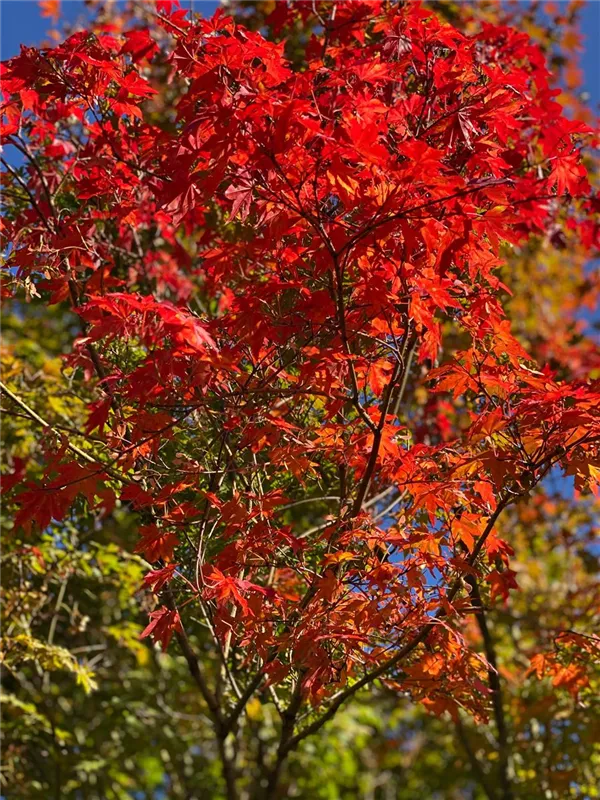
[289, 716]
[41, 421]
[404, 651]
[495, 688]
[476, 767]
[222, 732]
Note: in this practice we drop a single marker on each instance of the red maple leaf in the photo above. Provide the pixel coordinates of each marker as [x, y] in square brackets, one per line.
[163, 624]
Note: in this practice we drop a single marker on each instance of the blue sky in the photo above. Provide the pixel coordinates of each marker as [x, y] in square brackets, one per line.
[22, 23]
[591, 61]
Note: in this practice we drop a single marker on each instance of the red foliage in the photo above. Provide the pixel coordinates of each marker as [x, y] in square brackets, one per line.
[340, 222]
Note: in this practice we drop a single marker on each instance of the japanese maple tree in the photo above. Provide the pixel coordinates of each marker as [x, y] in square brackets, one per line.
[288, 335]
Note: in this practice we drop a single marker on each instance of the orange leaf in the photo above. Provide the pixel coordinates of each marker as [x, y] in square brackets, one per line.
[50, 8]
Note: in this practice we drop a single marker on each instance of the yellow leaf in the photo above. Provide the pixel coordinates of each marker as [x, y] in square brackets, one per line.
[254, 709]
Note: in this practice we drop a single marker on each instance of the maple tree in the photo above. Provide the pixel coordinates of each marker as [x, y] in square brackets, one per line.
[287, 356]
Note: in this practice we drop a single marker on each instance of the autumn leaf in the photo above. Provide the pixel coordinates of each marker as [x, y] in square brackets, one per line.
[163, 624]
[50, 8]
